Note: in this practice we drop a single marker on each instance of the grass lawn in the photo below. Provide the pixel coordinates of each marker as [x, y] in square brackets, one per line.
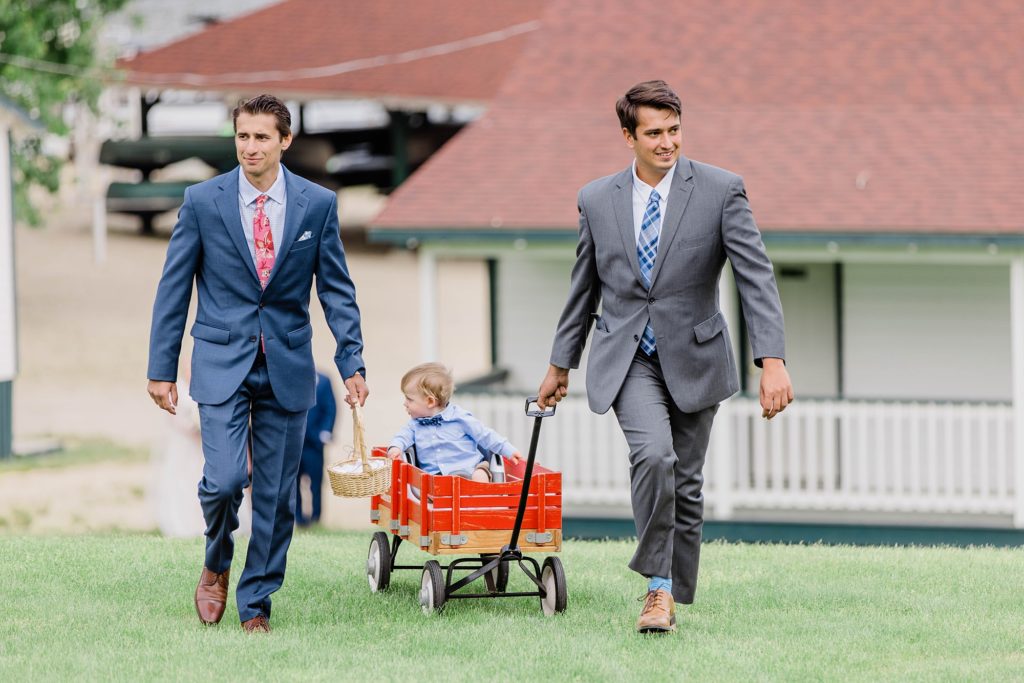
[111, 608]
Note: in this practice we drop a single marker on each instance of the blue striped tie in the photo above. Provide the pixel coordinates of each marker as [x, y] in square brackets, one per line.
[647, 251]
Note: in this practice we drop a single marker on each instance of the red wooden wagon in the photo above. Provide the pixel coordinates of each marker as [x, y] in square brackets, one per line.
[495, 522]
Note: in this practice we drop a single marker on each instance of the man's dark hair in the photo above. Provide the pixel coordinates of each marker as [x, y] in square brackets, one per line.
[654, 94]
[265, 104]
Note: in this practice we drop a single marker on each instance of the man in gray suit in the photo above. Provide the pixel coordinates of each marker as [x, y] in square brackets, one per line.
[653, 240]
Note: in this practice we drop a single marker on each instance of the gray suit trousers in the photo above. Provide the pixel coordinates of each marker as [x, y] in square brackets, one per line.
[666, 456]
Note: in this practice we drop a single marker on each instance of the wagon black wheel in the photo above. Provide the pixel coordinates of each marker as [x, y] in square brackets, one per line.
[553, 578]
[501, 578]
[497, 578]
[432, 589]
[378, 563]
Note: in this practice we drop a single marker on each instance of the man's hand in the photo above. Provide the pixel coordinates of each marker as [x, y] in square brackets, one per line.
[164, 394]
[554, 387]
[394, 453]
[776, 389]
[357, 389]
[515, 458]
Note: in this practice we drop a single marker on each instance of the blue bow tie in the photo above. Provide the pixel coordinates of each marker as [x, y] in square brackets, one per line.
[434, 421]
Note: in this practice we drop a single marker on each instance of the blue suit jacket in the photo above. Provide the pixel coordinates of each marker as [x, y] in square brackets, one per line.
[208, 246]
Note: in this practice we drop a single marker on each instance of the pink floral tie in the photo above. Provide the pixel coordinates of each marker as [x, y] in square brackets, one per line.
[264, 240]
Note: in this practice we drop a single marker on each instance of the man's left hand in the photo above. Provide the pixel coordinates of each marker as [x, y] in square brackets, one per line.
[357, 389]
[776, 389]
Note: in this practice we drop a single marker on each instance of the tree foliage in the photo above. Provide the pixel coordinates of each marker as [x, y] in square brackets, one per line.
[59, 39]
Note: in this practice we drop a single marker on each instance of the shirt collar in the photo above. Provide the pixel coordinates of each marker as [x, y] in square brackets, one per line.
[663, 187]
[446, 415]
[249, 193]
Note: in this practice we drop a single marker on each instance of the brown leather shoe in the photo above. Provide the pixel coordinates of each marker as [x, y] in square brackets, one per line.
[658, 614]
[211, 596]
[258, 624]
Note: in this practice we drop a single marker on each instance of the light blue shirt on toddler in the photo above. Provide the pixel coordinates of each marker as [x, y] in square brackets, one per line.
[450, 446]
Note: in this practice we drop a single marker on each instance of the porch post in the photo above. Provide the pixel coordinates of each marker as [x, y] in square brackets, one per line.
[428, 305]
[727, 303]
[8, 300]
[1017, 376]
[722, 454]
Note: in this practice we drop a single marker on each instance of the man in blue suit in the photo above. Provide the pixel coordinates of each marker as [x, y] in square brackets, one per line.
[252, 240]
[319, 427]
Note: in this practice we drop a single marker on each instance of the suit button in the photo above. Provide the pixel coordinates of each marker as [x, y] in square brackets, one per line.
[636, 337]
[261, 304]
[650, 301]
[252, 338]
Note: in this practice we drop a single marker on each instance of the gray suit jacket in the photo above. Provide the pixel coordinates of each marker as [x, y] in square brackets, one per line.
[708, 220]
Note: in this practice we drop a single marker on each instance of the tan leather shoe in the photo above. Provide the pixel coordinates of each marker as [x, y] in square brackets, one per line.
[211, 596]
[658, 614]
[258, 624]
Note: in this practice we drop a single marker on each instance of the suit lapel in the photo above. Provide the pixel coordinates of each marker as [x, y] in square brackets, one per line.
[622, 200]
[294, 214]
[682, 186]
[227, 205]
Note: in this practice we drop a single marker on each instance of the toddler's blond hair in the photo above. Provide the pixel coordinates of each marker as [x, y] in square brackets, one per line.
[430, 379]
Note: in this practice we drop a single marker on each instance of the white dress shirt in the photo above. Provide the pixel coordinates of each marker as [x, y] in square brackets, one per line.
[274, 208]
[641, 195]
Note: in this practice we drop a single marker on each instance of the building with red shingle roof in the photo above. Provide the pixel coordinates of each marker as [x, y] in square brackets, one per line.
[881, 145]
[405, 54]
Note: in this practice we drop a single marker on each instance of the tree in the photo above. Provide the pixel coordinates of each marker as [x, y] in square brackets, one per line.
[48, 60]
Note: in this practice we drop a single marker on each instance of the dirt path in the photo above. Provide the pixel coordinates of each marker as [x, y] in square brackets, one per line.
[83, 343]
[98, 497]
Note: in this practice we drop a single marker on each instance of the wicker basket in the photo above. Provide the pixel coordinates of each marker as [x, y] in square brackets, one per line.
[361, 476]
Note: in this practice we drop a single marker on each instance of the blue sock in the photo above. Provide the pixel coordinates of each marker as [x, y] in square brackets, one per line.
[659, 583]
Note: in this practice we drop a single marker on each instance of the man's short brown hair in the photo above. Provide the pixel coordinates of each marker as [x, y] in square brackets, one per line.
[430, 379]
[655, 94]
[265, 104]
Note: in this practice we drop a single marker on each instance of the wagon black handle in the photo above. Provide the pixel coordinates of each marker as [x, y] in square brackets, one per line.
[539, 415]
[538, 412]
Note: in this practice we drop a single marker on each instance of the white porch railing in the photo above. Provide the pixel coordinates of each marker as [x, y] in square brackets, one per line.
[818, 456]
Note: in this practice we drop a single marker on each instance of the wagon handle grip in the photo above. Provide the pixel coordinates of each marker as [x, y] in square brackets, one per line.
[538, 412]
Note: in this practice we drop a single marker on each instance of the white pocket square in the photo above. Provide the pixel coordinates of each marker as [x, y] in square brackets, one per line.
[305, 236]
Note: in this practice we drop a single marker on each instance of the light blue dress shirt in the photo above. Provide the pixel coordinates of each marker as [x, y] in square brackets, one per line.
[452, 445]
[274, 207]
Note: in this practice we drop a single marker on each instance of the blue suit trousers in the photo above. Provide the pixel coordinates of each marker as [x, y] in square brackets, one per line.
[276, 448]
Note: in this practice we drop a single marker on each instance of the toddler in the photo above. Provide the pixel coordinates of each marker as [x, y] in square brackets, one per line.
[446, 436]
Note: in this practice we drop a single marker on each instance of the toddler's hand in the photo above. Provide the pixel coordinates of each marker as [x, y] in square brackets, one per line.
[394, 453]
[515, 458]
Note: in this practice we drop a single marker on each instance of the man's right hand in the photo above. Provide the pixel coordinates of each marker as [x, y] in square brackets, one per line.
[164, 394]
[554, 387]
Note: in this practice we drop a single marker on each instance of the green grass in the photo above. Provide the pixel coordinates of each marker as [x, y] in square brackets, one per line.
[111, 608]
[75, 451]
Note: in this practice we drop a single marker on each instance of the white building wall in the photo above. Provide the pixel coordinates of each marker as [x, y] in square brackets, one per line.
[464, 334]
[927, 331]
[531, 290]
[807, 292]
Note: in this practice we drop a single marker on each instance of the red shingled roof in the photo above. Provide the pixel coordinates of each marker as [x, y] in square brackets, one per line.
[298, 34]
[867, 116]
